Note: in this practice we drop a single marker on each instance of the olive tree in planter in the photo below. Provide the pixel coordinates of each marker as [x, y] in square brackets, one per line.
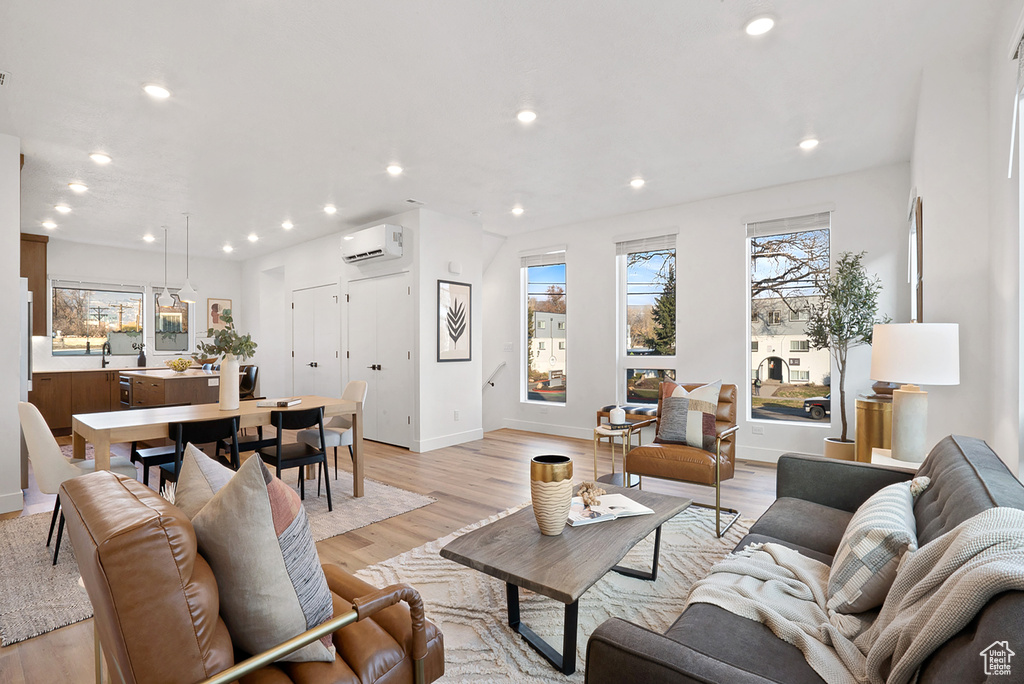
[843, 319]
[227, 345]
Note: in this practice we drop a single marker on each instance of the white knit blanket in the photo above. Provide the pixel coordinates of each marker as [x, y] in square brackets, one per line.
[938, 590]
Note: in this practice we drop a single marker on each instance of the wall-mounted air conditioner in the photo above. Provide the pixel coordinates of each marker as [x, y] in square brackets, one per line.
[379, 242]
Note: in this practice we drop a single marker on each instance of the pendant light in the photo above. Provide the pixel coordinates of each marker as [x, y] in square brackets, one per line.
[187, 294]
[165, 299]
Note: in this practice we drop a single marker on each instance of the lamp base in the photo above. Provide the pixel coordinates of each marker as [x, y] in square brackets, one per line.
[909, 422]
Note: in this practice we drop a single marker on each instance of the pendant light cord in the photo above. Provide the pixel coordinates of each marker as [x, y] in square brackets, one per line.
[165, 258]
[186, 249]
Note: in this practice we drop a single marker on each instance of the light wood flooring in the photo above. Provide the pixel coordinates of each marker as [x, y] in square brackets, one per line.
[470, 482]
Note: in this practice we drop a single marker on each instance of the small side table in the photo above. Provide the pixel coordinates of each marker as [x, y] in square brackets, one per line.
[884, 457]
[623, 432]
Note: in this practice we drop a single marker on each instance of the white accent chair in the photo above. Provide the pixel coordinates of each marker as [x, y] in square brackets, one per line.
[50, 467]
[338, 431]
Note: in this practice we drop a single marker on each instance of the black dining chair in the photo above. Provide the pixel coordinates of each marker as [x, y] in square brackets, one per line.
[298, 454]
[151, 456]
[196, 433]
[247, 383]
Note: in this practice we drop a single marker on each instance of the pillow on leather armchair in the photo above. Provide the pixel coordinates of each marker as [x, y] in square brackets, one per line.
[688, 417]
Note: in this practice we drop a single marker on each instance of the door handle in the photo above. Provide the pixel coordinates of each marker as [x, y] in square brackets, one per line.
[375, 366]
[312, 364]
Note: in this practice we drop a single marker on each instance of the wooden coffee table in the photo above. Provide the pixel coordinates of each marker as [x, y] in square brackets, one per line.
[513, 550]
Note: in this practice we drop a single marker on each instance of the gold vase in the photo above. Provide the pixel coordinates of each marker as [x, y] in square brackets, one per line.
[551, 491]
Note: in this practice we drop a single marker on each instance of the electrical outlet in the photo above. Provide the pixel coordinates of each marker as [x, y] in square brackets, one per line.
[456, 415]
[508, 347]
[757, 429]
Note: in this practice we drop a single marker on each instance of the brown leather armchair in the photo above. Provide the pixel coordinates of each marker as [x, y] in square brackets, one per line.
[690, 464]
[156, 603]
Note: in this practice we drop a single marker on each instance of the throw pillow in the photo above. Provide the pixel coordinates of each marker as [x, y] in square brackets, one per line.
[881, 531]
[255, 535]
[200, 478]
[688, 417]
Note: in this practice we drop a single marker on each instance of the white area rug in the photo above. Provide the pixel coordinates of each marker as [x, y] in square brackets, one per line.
[469, 606]
[36, 597]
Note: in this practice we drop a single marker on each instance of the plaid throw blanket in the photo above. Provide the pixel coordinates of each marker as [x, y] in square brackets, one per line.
[938, 590]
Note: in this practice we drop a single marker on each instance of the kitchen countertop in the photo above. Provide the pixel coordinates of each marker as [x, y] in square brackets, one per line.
[126, 369]
[168, 374]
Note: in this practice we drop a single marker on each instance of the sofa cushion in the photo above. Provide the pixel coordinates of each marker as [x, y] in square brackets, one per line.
[762, 539]
[804, 523]
[200, 478]
[688, 416]
[742, 643]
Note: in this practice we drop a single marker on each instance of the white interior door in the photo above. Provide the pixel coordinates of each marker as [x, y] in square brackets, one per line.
[362, 347]
[316, 341]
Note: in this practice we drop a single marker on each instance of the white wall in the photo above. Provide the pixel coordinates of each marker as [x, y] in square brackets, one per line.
[869, 214]
[77, 261]
[10, 271]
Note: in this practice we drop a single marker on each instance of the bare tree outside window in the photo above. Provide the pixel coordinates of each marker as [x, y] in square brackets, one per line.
[84, 319]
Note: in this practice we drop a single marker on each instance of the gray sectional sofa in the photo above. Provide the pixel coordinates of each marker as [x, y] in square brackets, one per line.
[816, 498]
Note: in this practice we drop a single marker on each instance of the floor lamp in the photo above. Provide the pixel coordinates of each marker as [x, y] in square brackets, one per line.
[917, 354]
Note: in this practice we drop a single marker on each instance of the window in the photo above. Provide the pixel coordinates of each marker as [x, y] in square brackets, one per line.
[544, 376]
[789, 264]
[170, 325]
[650, 296]
[642, 384]
[85, 316]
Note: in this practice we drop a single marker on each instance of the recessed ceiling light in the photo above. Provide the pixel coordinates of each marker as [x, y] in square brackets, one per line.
[148, 237]
[527, 116]
[759, 26]
[50, 225]
[228, 249]
[349, 237]
[156, 91]
[78, 187]
[518, 211]
[253, 237]
[637, 182]
[808, 144]
[63, 208]
[395, 170]
[287, 225]
[330, 209]
[100, 158]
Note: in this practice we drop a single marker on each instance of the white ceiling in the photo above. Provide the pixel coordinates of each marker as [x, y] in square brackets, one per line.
[281, 107]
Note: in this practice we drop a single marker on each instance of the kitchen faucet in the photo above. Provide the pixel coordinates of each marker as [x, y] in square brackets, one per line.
[105, 351]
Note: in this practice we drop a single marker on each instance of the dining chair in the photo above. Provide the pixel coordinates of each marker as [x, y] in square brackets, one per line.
[338, 431]
[298, 454]
[247, 383]
[50, 467]
[148, 457]
[199, 432]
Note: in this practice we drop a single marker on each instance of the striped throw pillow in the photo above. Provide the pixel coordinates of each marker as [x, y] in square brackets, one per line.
[689, 417]
[878, 535]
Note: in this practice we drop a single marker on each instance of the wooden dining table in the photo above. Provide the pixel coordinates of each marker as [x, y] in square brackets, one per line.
[114, 427]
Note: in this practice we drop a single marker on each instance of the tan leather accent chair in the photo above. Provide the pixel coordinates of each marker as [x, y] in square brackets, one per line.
[684, 463]
[157, 612]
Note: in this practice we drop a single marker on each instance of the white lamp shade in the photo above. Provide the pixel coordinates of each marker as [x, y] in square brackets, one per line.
[187, 294]
[165, 299]
[916, 353]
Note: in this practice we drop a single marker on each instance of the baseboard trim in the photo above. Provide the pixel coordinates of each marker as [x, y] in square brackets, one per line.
[549, 429]
[420, 446]
[9, 503]
[763, 455]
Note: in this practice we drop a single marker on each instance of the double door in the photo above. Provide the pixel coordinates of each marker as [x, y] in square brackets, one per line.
[380, 343]
[316, 341]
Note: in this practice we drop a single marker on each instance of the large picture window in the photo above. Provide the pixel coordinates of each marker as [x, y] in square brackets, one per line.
[85, 316]
[545, 376]
[170, 325]
[789, 265]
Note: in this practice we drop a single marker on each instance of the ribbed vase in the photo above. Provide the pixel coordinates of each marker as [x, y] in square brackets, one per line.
[551, 491]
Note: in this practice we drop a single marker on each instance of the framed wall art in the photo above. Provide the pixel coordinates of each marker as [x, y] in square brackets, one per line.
[915, 269]
[454, 339]
[214, 308]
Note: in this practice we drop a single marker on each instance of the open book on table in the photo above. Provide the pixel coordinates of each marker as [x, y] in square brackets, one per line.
[612, 506]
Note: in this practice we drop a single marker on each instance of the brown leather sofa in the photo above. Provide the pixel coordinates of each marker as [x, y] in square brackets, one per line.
[157, 608]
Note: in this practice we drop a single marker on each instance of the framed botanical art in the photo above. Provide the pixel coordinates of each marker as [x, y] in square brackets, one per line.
[454, 340]
[214, 308]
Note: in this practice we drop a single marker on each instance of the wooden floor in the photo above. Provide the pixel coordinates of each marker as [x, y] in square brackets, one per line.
[470, 482]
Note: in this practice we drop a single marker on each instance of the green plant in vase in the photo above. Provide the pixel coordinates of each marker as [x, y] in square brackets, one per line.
[228, 345]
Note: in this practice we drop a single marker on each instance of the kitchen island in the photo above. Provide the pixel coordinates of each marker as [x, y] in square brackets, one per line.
[163, 386]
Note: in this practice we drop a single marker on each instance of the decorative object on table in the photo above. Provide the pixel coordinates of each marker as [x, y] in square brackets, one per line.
[917, 354]
[179, 365]
[215, 309]
[617, 416]
[589, 493]
[283, 402]
[188, 294]
[841, 320]
[165, 299]
[141, 348]
[613, 507]
[551, 492]
[454, 318]
[228, 345]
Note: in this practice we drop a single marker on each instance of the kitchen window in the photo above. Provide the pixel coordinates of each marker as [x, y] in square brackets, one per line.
[170, 325]
[86, 316]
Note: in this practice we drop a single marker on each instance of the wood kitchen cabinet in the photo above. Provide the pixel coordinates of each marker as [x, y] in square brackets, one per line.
[33, 267]
[94, 391]
[51, 394]
[60, 394]
[161, 387]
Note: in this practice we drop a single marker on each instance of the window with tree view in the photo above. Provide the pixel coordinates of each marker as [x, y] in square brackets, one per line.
[85, 316]
[789, 265]
[651, 303]
[170, 331]
[545, 332]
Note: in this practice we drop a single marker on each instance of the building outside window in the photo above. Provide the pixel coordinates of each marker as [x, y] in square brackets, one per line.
[789, 264]
[85, 316]
[545, 374]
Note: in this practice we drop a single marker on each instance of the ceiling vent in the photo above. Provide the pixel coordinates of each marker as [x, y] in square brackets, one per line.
[3, 77]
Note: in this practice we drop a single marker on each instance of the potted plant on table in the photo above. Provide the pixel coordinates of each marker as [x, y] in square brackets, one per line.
[228, 345]
[843, 319]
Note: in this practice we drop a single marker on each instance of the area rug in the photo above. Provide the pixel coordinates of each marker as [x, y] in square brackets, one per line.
[36, 597]
[469, 606]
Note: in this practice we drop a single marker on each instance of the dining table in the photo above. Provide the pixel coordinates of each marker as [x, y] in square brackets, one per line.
[114, 427]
